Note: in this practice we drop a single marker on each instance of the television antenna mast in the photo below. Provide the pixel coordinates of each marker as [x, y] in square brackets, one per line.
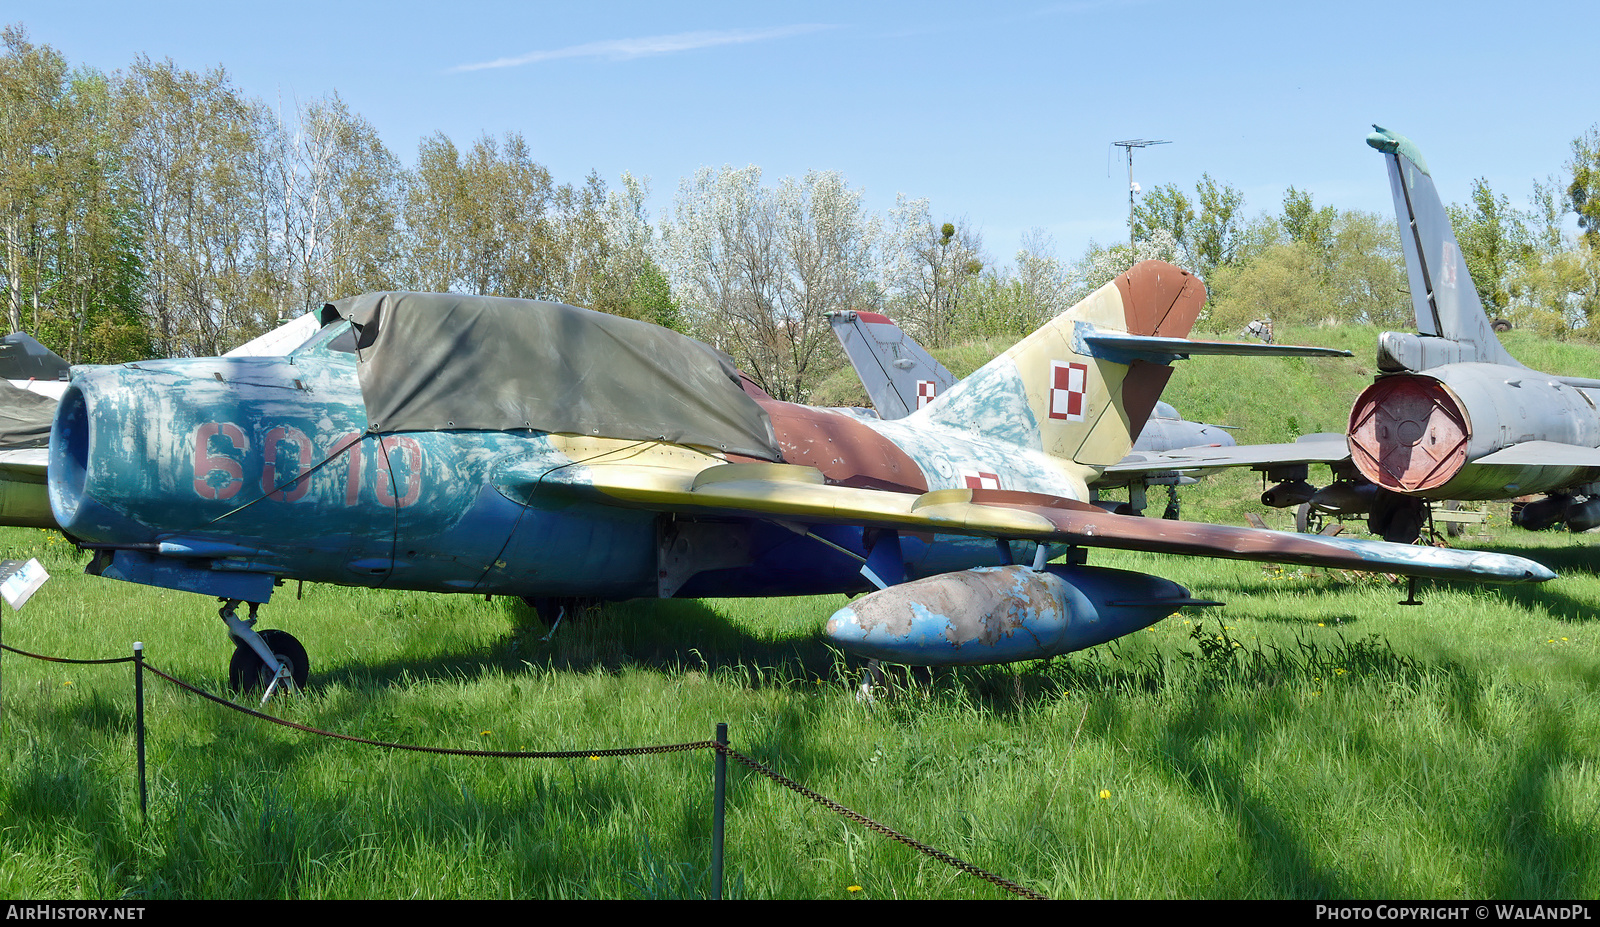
[1133, 188]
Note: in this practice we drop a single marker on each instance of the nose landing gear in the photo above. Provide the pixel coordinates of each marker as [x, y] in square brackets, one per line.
[268, 659]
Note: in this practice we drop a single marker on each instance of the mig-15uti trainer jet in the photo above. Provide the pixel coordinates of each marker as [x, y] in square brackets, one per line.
[513, 447]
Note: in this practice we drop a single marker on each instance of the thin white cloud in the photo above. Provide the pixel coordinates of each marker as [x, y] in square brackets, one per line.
[624, 49]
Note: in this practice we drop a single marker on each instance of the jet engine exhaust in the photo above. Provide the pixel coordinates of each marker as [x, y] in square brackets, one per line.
[1408, 433]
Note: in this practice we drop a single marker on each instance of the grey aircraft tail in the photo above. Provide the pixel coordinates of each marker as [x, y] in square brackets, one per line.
[898, 374]
[1450, 317]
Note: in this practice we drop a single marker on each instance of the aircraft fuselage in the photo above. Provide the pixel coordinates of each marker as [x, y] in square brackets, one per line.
[189, 473]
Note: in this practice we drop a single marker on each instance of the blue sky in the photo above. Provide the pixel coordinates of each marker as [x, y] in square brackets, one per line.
[1000, 113]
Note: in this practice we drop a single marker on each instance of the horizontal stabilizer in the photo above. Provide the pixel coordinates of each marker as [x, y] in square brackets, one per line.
[1120, 347]
[1543, 453]
[1318, 448]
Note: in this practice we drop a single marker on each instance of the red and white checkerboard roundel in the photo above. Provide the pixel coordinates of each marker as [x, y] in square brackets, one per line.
[977, 479]
[926, 391]
[1069, 390]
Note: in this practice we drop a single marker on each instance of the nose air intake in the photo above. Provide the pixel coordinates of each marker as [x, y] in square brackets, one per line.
[1408, 433]
[69, 456]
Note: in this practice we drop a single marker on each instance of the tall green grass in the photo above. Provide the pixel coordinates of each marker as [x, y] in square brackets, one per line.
[1311, 739]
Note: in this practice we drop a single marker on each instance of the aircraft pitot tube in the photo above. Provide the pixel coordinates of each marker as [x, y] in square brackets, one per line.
[1001, 614]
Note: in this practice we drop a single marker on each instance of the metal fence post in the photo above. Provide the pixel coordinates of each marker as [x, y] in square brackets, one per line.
[719, 794]
[138, 701]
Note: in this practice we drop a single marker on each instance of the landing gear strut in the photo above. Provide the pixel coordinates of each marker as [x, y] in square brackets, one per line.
[271, 659]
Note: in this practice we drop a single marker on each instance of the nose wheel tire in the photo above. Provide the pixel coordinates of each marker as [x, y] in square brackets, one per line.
[247, 672]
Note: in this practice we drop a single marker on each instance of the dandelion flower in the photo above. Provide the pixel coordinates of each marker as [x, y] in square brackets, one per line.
[853, 888]
[1105, 793]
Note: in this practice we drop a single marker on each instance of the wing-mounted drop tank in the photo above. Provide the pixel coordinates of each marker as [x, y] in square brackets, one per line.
[1003, 614]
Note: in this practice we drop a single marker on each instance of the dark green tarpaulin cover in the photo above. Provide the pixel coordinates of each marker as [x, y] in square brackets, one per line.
[24, 417]
[435, 362]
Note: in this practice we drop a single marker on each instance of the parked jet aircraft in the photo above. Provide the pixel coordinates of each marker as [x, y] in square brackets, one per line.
[34, 378]
[513, 447]
[1451, 414]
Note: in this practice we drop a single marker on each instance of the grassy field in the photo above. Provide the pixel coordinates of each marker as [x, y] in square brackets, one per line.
[1312, 739]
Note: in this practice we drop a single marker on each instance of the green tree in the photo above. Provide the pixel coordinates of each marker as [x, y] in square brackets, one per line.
[1164, 208]
[69, 245]
[34, 112]
[1494, 240]
[339, 192]
[481, 223]
[1303, 222]
[1364, 281]
[755, 269]
[1283, 283]
[1583, 193]
[1218, 231]
[928, 269]
[197, 154]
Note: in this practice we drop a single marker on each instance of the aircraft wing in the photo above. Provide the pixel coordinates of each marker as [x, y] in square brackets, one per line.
[24, 465]
[1317, 448]
[783, 492]
[1543, 453]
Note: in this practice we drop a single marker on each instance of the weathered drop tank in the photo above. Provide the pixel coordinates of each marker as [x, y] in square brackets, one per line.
[1001, 614]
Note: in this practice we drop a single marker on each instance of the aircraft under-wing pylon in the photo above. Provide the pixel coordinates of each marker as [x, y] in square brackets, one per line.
[514, 447]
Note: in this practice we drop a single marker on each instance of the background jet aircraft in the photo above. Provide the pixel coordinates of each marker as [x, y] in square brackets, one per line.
[900, 377]
[1453, 415]
[513, 447]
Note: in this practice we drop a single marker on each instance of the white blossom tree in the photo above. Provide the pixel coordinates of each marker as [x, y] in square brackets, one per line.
[756, 268]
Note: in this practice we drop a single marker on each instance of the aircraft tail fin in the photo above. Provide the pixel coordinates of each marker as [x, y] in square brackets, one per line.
[1056, 391]
[899, 375]
[1443, 297]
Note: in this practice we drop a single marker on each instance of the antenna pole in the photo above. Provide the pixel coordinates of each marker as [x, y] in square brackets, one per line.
[1128, 146]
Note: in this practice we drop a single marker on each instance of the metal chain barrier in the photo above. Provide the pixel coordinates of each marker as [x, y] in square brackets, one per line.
[886, 831]
[723, 749]
[449, 751]
[37, 656]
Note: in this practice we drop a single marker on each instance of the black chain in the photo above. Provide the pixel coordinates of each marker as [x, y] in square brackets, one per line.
[752, 764]
[886, 831]
[38, 656]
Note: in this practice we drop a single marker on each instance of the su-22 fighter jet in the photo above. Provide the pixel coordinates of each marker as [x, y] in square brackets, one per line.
[511, 447]
[1453, 415]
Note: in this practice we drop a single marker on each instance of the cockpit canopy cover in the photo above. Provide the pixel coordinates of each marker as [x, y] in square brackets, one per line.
[435, 362]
